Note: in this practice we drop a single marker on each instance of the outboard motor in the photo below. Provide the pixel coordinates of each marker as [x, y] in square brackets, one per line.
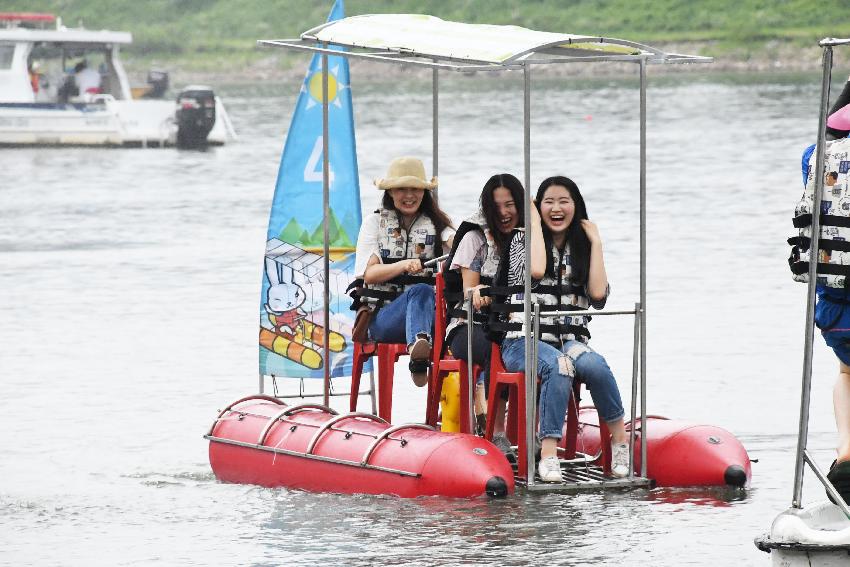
[158, 81]
[195, 116]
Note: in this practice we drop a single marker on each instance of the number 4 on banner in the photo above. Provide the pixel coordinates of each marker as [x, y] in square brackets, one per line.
[313, 169]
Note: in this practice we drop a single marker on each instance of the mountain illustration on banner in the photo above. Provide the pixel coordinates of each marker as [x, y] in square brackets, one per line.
[294, 233]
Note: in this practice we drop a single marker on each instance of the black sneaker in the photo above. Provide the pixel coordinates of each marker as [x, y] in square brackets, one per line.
[839, 476]
[420, 361]
[501, 441]
[480, 424]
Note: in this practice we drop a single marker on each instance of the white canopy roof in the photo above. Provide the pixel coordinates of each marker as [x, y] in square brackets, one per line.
[427, 40]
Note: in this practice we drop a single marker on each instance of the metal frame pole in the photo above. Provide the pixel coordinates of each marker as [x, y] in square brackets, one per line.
[642, 266]
[262, 382]
[435, 126]
[635, 369]
[530, 362]
[326, 208]
[805, 398]
[372, 391]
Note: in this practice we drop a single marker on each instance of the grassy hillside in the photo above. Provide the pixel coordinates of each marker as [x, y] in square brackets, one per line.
[205, 33]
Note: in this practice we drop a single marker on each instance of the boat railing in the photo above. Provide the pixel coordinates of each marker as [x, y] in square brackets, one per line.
[386, 435]
[637, 313]
[334, 420]
[322, 429]
[228, 407]
[287, 412]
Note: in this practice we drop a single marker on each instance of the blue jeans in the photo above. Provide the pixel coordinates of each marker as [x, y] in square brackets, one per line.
[579, 361]
[408, 315]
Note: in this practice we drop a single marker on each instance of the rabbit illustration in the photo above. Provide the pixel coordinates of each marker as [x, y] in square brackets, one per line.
[285, 298]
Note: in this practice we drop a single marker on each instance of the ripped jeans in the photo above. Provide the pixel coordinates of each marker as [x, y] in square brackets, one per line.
[579, 361]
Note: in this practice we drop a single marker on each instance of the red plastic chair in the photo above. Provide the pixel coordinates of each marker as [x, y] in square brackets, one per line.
[441, 366]
[514, 383]
[388, 354]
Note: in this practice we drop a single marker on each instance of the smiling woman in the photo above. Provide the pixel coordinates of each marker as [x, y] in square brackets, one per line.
[393, 245]
[475, 258]
[567, 262]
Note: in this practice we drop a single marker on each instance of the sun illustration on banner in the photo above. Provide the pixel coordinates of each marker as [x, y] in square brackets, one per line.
[313, 85]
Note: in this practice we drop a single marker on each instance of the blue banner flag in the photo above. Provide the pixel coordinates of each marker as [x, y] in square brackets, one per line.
[292, 297]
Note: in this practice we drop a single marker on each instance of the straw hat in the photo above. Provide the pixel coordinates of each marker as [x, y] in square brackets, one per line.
[406, 172]
[840, 119]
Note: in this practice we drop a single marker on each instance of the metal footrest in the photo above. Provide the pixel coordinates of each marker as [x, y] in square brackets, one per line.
[581, 477]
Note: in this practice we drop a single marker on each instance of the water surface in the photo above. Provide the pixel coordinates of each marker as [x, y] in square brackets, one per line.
[128, 316]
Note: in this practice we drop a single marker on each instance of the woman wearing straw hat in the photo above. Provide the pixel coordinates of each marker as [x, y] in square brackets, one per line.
[394, 242]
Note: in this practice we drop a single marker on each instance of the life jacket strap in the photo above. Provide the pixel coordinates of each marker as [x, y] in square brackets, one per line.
[801, 221]
[804, 242]
[798, 268]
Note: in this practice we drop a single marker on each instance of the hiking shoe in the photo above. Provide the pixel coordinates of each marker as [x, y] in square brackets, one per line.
[619, 460]
[549, 470]
[480, 424]
[839, 476]
[420, 361]
[501, 441]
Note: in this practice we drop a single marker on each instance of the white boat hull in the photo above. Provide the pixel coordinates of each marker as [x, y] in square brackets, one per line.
[817, 536]
[106, 123]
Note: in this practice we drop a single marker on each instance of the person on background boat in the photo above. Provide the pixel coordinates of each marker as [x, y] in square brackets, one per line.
[832, 315]
[477, 249]
[86, 79]
[394, 242]
[568, 273]
[35, 76]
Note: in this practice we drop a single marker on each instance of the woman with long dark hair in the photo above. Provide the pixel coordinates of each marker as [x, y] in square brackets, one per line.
[569, 272]
[478, 247]
[394, 243]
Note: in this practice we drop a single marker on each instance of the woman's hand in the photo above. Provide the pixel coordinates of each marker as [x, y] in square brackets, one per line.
[479, 301]
[412, 266]
[591, 230]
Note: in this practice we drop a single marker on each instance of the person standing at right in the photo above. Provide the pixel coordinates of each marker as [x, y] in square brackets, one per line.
[832, 315]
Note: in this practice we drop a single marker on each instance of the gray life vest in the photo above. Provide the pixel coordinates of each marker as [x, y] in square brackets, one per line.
[833, 267]
[395, 244]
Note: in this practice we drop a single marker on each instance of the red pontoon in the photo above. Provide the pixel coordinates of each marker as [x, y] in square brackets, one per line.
[260, 440]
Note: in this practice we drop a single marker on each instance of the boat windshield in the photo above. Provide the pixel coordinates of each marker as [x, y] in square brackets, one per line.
[63, 69]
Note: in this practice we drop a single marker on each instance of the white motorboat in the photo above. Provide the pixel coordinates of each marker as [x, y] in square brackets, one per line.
[64, 86]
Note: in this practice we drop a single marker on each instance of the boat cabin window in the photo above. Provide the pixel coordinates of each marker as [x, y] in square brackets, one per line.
[58, 64]
[6, 53]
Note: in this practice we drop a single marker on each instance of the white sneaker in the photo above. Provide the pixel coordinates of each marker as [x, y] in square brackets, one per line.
[549, 470]
[619, 460]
